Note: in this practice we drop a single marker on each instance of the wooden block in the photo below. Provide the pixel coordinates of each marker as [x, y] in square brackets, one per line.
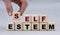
[51, 26]
[27, 18]
[35, 18]
[35, 26]
[43, 18]
[16, 15]
[27, 26]
[43, 26]
[18, 26]
[10, 26]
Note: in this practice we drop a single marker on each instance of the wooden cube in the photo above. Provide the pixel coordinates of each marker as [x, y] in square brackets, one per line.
[35, 18]
[43, 26]
[18, 26]
[51, 26]
[16, 15]
[27, 18]
[35, 26]
[27, 26]
[43, 18]
[10, 26]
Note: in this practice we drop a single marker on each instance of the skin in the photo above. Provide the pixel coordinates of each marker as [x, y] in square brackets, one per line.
[21, 3]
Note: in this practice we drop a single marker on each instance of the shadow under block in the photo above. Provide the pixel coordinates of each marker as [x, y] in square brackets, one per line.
[43, 26]
[16, 15]
[35, 26]
[27, 26]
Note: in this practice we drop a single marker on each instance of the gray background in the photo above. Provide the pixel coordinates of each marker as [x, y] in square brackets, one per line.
[51, 8]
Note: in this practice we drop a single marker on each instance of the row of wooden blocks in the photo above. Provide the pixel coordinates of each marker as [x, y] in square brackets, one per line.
[26, 26]
[30, 18]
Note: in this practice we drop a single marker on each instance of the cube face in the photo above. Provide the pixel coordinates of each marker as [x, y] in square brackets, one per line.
[18, 26]
[27, 18]
[27, 26]
[35, 26]
[16, 15]
[44, 26]
[10, 26]
[51, 26]
[43, 18]
[35, 18]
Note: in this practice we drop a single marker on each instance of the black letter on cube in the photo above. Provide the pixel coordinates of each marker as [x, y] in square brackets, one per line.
[51, 26]
[26, 26]
[18, 26]
[10, 26]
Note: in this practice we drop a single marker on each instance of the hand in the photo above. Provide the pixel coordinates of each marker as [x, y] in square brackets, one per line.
[9, 10]
[20, 12]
